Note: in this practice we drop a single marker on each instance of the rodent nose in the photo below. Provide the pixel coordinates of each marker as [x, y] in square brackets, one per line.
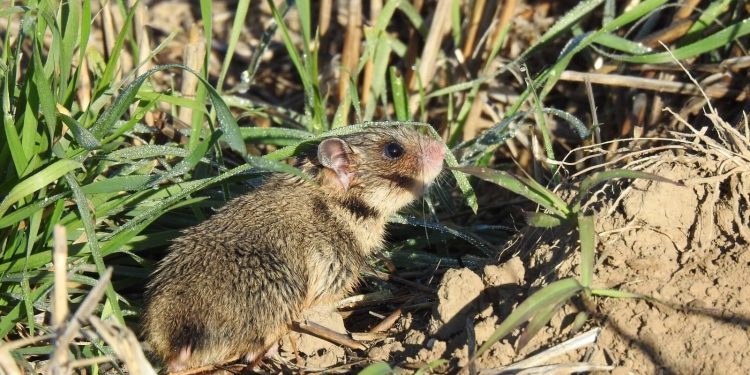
[437, 149]
[434, 152]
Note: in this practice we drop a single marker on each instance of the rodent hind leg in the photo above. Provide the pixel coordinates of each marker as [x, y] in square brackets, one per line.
[181, 362]
[255, 357]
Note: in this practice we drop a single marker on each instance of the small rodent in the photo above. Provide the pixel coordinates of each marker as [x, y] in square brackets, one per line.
[231, 286]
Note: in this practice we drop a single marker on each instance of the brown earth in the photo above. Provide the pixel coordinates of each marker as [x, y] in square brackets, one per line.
[686, 247]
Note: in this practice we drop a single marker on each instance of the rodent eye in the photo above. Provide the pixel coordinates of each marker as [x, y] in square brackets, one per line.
[393, 150]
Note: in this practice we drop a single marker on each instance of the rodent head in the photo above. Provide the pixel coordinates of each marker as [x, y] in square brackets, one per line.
[385, 167]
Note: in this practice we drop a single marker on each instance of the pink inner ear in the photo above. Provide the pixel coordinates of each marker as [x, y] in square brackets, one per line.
[333, 153]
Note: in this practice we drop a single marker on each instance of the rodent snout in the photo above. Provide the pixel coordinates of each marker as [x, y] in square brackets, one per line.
[433, 153]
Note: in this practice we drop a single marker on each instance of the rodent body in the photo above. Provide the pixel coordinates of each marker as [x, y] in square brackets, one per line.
[231, 286]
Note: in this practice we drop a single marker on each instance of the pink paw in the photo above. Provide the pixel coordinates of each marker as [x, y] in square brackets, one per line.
[180, 363]
[254, 357]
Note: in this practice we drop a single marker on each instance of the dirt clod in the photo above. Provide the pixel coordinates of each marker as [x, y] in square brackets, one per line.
[386, 351]
[431, 352]
[457, 296]
[510, 272]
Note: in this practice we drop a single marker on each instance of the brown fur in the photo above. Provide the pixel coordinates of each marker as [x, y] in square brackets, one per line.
[230, 286]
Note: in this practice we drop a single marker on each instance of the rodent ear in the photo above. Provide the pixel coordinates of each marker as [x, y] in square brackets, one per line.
[333, 153]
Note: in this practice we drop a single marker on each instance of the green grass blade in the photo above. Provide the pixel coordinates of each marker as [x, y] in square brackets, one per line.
[542, 220]
[237, 25]
[621, 44]
[462, 181]
[473, 149]
[307, 82]
[71, 14]
[120, 105]
[84, 34]
[587, 236]
[29, 124]
[46, 23]
[340, 117]
[229, 126]
[28, 305]
[116, 184]
[573, 121]
[274, 136]
[207, 18]
[34, 224]
[398, 91]
[44, 88]
[26, 211]
[541, 124]
[187, 164]
[380, 63]
[719, 39]
[269, 165]
[9, 11]
[535, 193]
[114, 60]
[430, 367]
[377, 368]
[82, 203]
[8, 322]
[174, 99]
[458, 87]
[559, 204]
[37, 181]
[408, 9]
[353, 97]
[566, 22]
[13, 140]
[122, 127]
[708, 16]
[200, 95]
[147, 152]
[552, 75]
[305, 18]
[386, 13]
[482, 245]
[456, 23]
[552, 294]
[536, 324]
[82, 135]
